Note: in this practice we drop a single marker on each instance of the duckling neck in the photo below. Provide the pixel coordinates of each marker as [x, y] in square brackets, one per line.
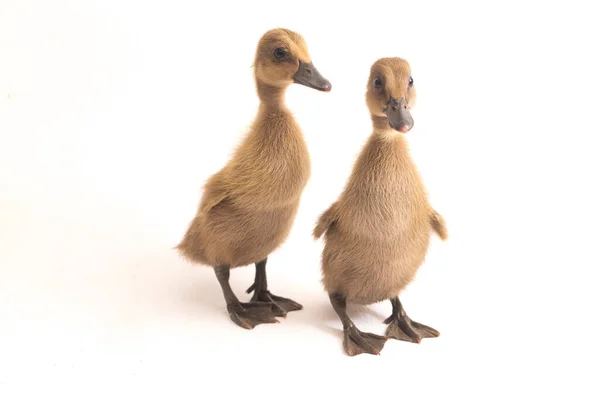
[270, 96]
[380, 123]
[382, 128]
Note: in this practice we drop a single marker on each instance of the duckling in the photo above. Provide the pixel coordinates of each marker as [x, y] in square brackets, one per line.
[377, 233]
[248, 207]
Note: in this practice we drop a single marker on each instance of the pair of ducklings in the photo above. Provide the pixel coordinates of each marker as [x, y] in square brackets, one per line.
[376, 233]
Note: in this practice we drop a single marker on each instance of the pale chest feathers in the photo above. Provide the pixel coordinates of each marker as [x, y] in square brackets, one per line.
[385, 196]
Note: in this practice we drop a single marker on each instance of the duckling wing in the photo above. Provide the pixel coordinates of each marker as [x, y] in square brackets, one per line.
[325, 221]
[214, 193]
[438, 224]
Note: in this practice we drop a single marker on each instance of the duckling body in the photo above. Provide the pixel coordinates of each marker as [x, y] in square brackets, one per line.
[378, 232]
[255, 196]
[248, 207]
[382, 228]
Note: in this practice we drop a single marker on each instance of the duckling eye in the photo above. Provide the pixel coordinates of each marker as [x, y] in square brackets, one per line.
[279, 53]
[410, 81]
[377, 83]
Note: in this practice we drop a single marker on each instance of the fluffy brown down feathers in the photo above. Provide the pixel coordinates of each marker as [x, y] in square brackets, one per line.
[247, 208]
[377, 233]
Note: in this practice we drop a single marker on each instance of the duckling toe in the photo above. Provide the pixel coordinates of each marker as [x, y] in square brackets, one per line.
[357, 342]
[286, 304]
[249, 315]
[409, 331]
[279, 305]
[395, 332]
[424, 330]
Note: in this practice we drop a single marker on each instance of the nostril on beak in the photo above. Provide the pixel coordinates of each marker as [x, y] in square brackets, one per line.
[309, 71]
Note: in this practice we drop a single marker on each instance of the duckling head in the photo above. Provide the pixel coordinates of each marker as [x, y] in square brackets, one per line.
[282, 59]
[391, 93]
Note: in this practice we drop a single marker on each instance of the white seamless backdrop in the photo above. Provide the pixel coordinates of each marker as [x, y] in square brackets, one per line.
[113, 114]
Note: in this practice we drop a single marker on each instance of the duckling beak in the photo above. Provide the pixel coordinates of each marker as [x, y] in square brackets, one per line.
[398, 115]
[308, 75]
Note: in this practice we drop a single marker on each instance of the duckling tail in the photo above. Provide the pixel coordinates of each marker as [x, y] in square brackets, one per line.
[438, 224]
[190, 246]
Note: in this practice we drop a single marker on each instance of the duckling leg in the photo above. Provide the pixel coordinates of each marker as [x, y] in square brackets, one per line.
[281, 305]
[246, 315]
[403, 328]
[355, 341]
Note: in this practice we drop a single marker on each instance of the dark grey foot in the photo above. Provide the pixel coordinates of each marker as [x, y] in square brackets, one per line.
[403, 328]
[248, 315]
[357, 342]
[410, 332]
[280, 305]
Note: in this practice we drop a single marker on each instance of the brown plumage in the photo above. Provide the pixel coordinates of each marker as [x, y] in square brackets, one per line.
[248, 207]
[377, 232]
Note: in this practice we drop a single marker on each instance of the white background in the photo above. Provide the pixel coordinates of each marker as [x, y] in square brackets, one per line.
[114, 113]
